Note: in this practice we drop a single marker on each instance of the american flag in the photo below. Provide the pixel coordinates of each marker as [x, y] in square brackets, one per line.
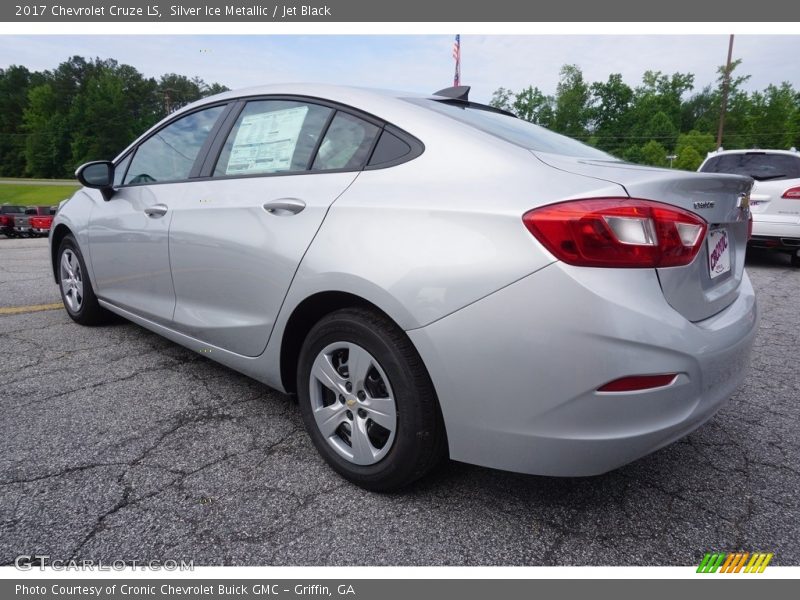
[457, 57]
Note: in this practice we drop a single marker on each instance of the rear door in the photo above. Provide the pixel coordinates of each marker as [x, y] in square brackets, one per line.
[128, 234]
[237, 238]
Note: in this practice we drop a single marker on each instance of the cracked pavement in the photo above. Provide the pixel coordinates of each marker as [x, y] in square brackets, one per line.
[118, 445]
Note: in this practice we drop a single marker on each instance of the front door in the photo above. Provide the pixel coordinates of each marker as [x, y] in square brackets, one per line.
[128, 235]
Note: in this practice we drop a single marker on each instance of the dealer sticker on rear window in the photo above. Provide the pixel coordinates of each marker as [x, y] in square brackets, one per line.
[719, 253]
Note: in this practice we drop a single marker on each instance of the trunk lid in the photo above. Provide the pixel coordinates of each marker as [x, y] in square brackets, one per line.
[711, 281]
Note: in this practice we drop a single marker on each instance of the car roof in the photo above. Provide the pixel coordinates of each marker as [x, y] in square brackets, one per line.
[322, 90]
[791, 152]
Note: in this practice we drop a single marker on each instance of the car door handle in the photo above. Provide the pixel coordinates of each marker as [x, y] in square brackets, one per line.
[157, 210]
[284, 207]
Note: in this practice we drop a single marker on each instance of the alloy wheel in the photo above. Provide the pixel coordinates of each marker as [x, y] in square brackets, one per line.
[71, 280]
[353, 403]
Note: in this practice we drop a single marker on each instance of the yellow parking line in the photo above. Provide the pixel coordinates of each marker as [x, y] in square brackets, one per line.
[17, 310]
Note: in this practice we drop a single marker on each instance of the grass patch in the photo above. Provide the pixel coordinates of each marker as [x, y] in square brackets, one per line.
[34, 195]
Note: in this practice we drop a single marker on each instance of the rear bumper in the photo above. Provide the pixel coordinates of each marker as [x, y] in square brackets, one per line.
[782, 235]
[517, 372]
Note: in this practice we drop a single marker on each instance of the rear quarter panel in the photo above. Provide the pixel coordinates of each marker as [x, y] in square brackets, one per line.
[425, 238]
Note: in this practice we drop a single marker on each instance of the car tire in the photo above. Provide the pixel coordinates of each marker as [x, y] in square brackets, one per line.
[796, 259]
[391, 374]
[77, 293]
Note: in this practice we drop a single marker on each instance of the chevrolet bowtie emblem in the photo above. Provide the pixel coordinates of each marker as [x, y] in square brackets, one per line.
[744, 202]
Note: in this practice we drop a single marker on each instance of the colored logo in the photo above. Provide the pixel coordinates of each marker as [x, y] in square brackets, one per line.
[734, 562]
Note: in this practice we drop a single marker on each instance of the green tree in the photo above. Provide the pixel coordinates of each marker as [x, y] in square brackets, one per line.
[738, 131]
[689, 159]
[610, 113]
[654, 154]
[771, 117]
[571, 103]
[83, 109]
[502, 98]
[15, 82]
[532, 105]
[633, 153]
[47, 141]
[702, 143]
[660, 128]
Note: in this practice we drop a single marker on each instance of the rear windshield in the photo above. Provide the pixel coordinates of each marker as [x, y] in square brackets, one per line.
[761, 166]
[12, 209]
[517, 131]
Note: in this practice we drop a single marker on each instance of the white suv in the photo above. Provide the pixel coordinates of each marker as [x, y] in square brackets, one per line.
[775, 199]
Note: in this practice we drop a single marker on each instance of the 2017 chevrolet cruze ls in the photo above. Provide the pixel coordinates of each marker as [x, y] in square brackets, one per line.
[430, 275]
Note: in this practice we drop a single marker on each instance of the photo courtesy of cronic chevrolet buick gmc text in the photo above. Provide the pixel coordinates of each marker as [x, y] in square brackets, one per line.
[430, 275]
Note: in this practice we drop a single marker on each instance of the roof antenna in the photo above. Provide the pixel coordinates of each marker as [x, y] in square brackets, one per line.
[460, 92]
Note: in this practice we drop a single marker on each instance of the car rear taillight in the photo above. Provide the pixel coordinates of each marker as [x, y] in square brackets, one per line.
[40, 222]
[617, 232]
[638, 383]
[792, 193]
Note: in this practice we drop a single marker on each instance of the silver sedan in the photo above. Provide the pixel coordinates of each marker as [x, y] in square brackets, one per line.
[431, 276]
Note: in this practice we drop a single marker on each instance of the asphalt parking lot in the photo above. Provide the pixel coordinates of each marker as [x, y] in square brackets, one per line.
[117, 444]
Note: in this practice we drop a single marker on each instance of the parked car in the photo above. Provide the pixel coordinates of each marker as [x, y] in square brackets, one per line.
[430, 275]
[25, 226]
[775, 199]
[7, 214]
[40, 223]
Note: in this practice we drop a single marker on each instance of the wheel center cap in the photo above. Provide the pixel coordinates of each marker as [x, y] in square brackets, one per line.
[351, 402]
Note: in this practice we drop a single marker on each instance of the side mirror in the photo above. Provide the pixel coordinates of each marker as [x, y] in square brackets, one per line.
[99, 175]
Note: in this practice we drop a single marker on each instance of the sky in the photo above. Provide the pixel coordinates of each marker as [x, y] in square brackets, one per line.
[418, 63]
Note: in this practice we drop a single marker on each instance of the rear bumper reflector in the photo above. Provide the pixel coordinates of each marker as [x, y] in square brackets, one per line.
[637, 383]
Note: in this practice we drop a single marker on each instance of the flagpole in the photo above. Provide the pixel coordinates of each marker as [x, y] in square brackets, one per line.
[457, 57]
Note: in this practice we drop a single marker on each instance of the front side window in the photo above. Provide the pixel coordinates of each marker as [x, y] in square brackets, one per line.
[169, 154]
[347, 143]
[119, 170]
[272, 136]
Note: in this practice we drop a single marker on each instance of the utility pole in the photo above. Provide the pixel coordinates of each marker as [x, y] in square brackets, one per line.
[725, 88]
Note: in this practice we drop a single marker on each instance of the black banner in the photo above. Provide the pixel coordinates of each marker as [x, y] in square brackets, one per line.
[395, 589]
[335, 11]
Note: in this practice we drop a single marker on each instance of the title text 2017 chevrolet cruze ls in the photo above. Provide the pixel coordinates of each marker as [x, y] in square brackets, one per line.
[430, 275]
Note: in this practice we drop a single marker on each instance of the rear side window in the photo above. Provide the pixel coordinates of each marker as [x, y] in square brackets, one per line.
[272, 136]
[388, 150]
[169, 154]
[347, 143]
[517, 131]
[762, 166]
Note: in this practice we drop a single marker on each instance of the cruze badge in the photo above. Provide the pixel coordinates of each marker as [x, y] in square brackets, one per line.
[704, 204]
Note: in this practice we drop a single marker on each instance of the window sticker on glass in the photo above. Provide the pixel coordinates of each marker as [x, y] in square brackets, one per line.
[266, 142]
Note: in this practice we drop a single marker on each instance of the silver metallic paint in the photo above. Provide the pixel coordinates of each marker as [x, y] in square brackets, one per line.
[514, 341]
